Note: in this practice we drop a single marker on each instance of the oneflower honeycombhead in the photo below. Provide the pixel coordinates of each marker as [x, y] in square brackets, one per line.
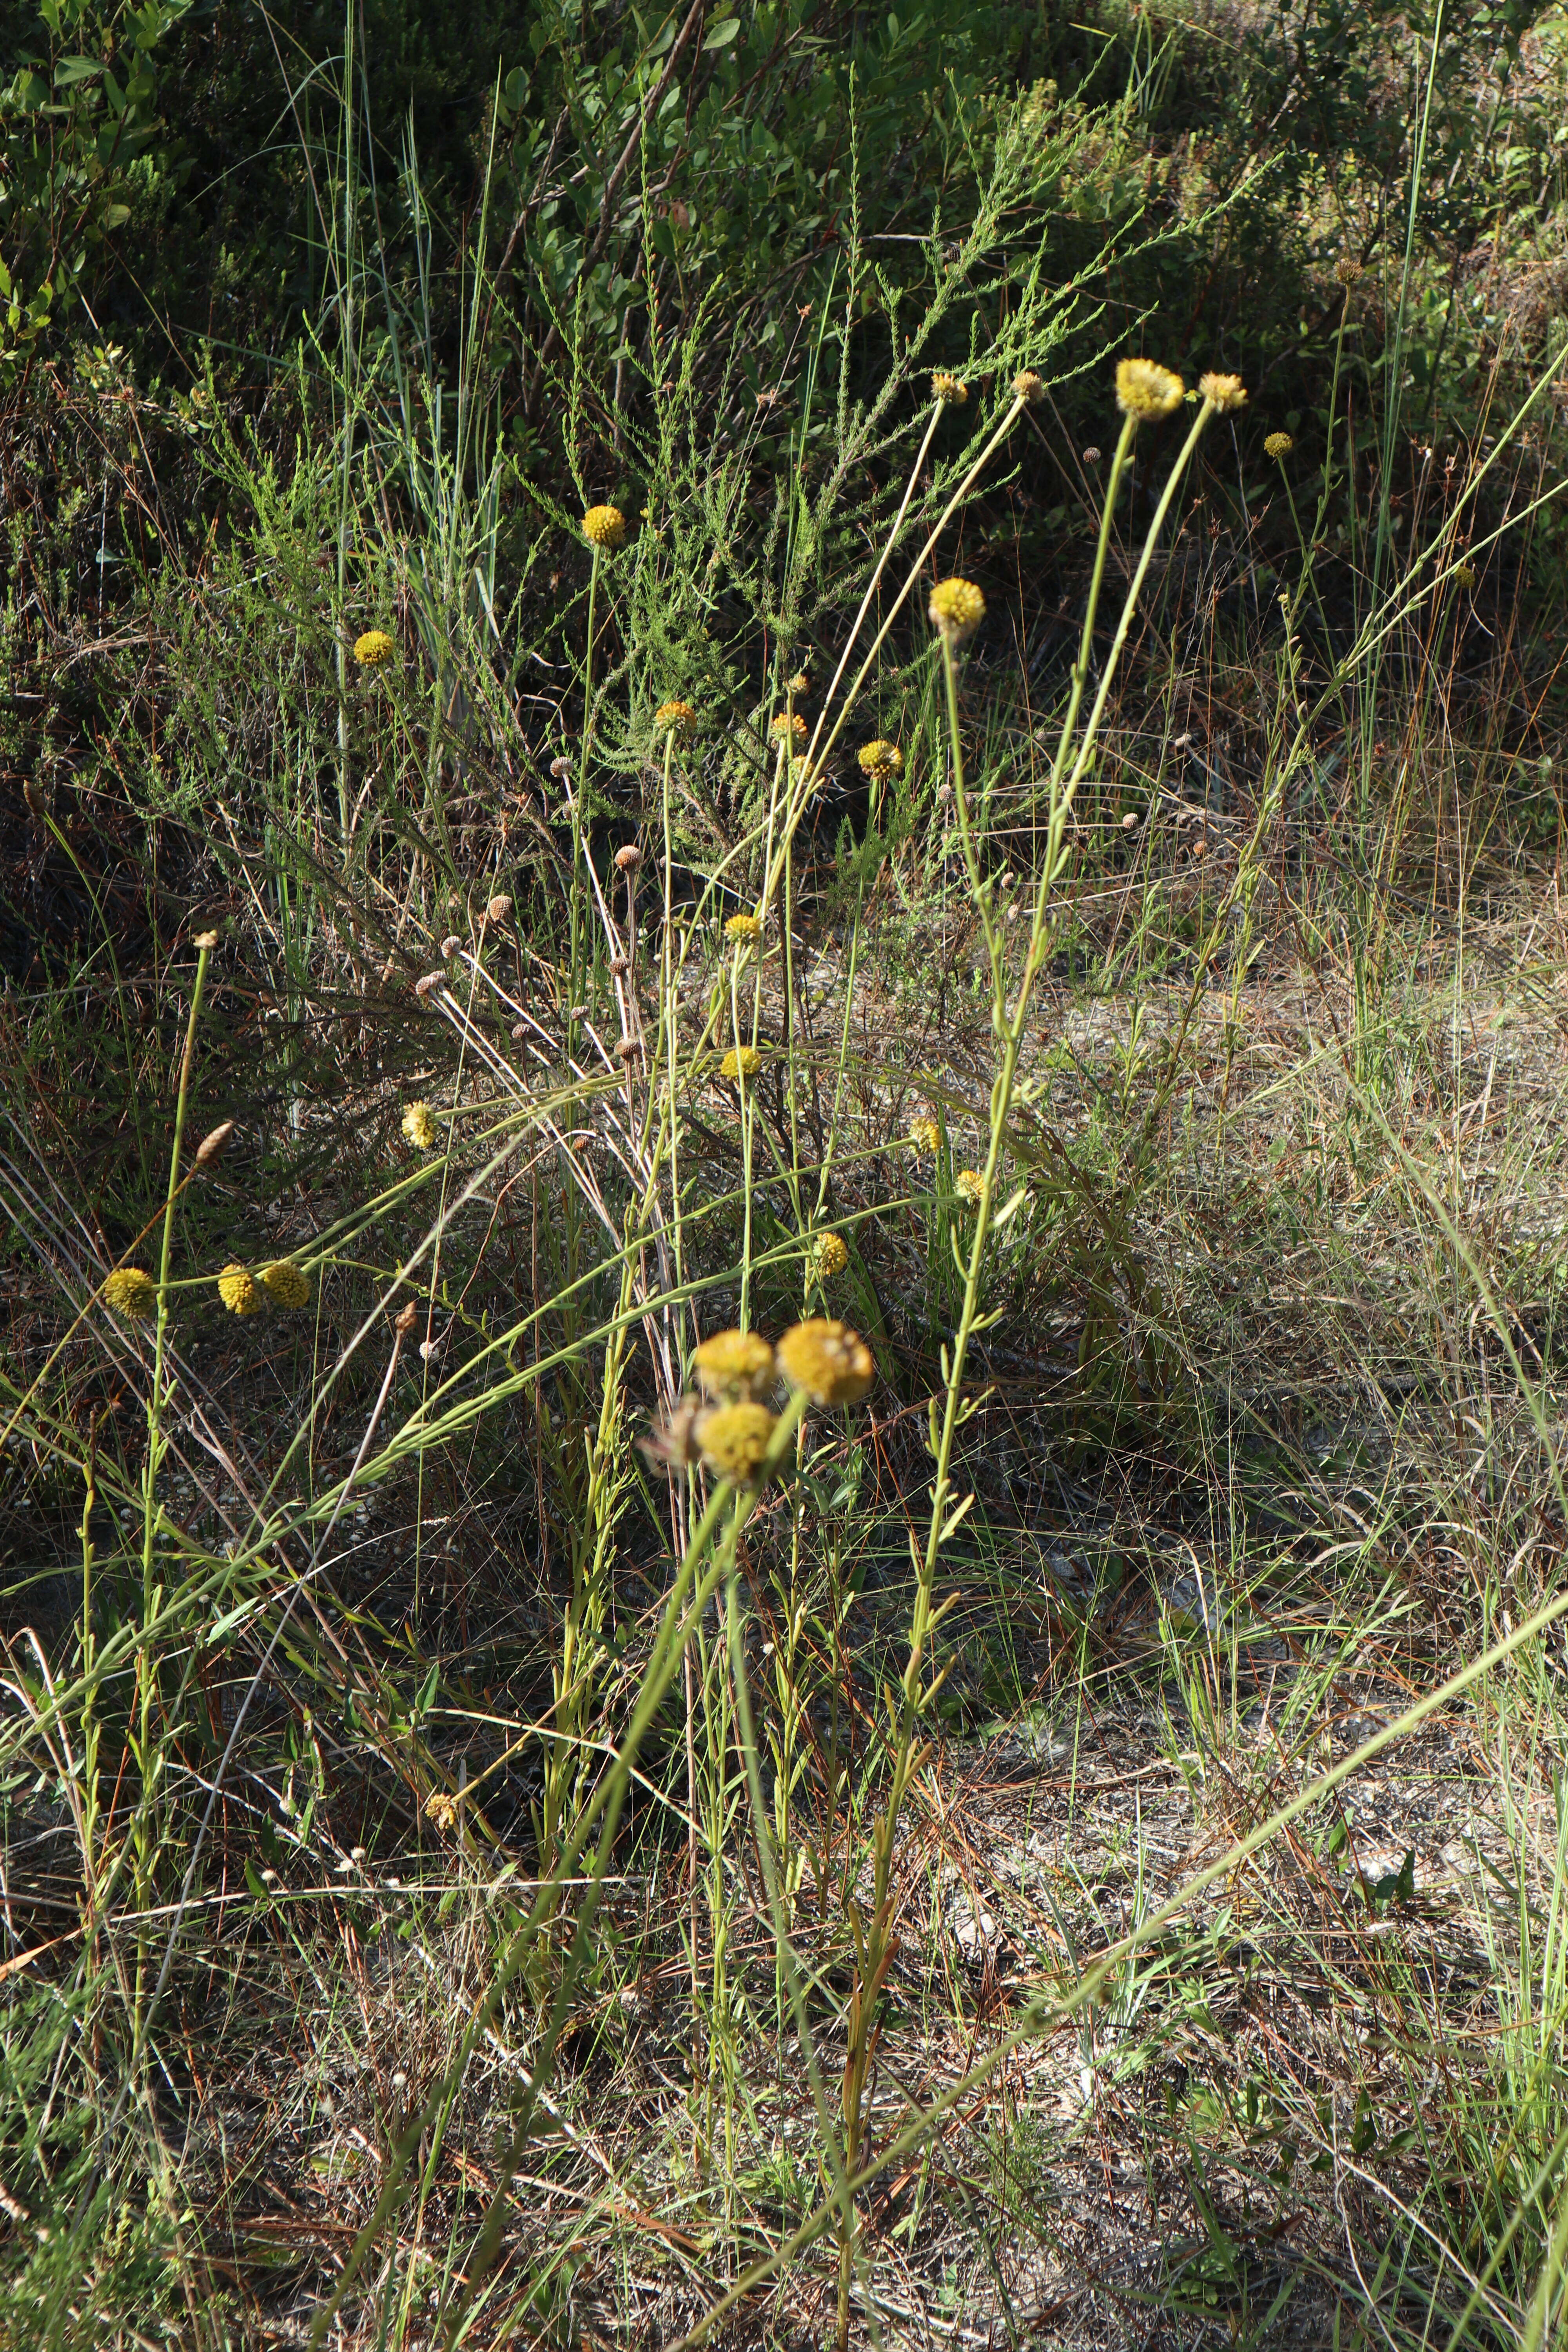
[828, 1359]
[419, 1125]
[286, 1284]
[957, 608]
[1146, 390]
[677, 719]
[741, 928]
[788, 727]
[925, 1135]
[239, 1289]
[829, 1256]
[970, 1185]
[950, 390]
[1278, 444]
[1225, 393]
[734, 1439]
[131, 1292]
[740, 1062]
[880, 761]
[604, 527]
[371, 649]
[735, 1364]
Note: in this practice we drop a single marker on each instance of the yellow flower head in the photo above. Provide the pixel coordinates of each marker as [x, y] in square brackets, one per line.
[741, 927]
[238, 1291]
[734, 1363]
[925, 1134]
[970, 1186]
[829, 1257]
[678, 717]
[419, 1125]
[951, 389]
[371, 649]
[829, 1361]
[799, 686]
[603, 527]
[1278, 444]
[1463, 576]
[1146, 389]
[743, 1062]
[957, 609]
[1222, 392]
[131, 1292]
[734, 1439]
[881, 761]
[1030, 388]
[789, 727]
[286, 1283]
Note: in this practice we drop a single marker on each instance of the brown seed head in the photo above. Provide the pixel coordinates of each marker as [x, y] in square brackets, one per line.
[1030, 388]
[629, 858]
[213, 1143]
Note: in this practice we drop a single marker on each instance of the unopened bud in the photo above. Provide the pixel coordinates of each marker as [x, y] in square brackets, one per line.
[212, 1144]
[406, 1319]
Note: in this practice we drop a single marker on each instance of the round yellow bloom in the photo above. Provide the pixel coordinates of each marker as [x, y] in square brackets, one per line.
[1222, 392]
[745, 1063]
[238, 1291]
[679, 716]
[925, 1135]
[1030, 388]
[829, 1361]
[743, 927]
[957, 609]
[829, 1257]
[373, 648]
[1463, 576]
[881, 761]
[970, 1186]
[951, 389]
[286, 1283]
[1278, 444]
[789, 727]
[1146, 389]
[603, 527]
[734, 1363]
[419, 1125]
[131, 1292]
[734, 1439]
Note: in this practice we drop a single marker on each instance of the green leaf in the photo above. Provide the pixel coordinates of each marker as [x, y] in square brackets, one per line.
[71, 71]
[723, 32]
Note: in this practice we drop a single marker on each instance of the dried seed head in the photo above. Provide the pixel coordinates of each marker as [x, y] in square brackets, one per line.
[671, 1443]
[1347, 269]
[373, 649]
[238, 1290]
[828, 1359]
[449, 946]
[431, 981]
[735, 1438]
[1091, 456]
[499, 909]
[1144, 389]
[799, 686]
[406, 1319]
[34, 796]
[619, 967]
[131, 1292]
[950, 390]
[603, 527]
[1224, 392]
[560, 766]
[628, 859]
[957, 609]
[204, 940]
[213, 1143]
[629, 1048]
[735, 1364]
[1030, 388]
